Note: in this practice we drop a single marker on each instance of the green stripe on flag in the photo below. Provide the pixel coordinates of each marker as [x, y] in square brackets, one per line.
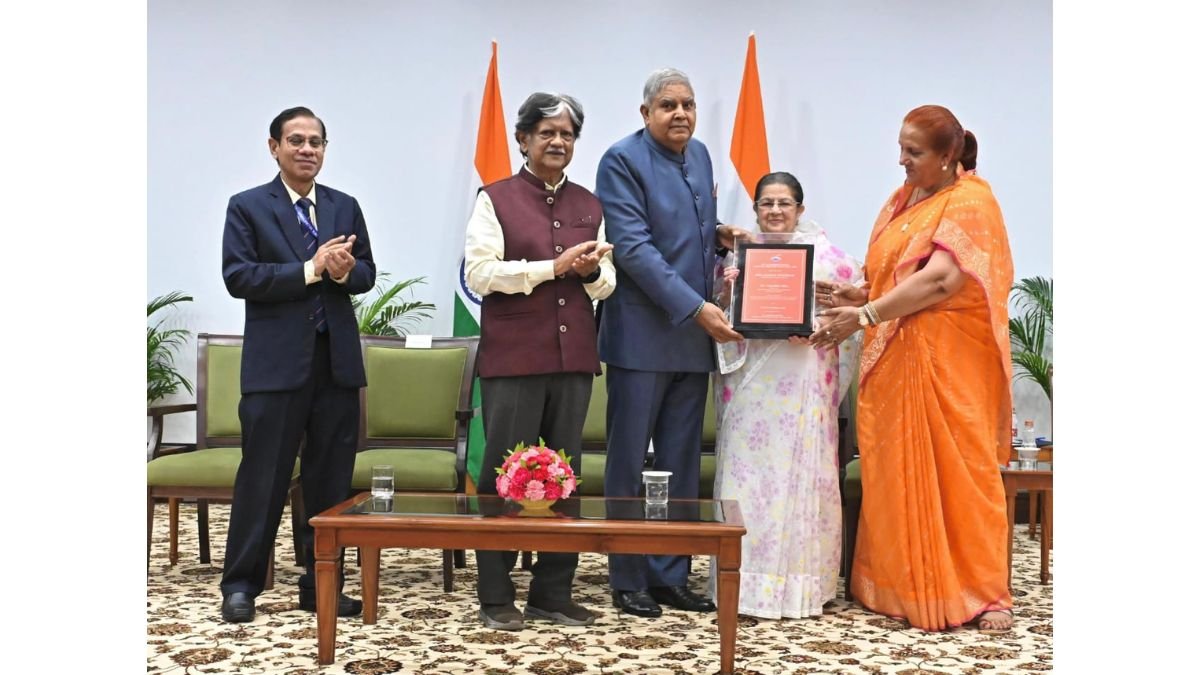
[466, 325]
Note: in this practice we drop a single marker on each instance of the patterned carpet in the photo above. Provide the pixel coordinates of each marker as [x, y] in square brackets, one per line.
[423, 630]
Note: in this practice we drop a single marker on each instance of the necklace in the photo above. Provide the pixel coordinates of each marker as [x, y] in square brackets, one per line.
[917, 197]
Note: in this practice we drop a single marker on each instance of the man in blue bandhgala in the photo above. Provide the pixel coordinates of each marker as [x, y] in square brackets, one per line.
[657, 329]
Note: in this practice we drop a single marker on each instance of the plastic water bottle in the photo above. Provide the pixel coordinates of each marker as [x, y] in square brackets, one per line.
[1015, 438]
[1028, 439]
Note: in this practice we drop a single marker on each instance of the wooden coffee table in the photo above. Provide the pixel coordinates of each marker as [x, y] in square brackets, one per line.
[478, 522]
[1040, 480]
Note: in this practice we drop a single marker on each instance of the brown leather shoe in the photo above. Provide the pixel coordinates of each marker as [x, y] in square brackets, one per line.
[501, 617]
[569, 614]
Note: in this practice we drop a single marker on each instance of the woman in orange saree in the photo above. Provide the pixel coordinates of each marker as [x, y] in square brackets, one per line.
[934, 395]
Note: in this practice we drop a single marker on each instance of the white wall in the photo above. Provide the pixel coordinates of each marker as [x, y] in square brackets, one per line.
[399, 85]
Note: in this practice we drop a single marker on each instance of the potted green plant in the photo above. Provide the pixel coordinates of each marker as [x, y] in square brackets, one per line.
[1034, 298]
[162, 378]
[389, 313]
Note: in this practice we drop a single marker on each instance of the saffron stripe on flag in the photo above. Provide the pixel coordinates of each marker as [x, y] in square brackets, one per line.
[748, 145]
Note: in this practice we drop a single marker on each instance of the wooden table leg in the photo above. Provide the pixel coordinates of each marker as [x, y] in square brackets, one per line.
[370, 583]
[1033, 513]
[1010, 494]
[1047, 532]
[729, 580]
[327, 591]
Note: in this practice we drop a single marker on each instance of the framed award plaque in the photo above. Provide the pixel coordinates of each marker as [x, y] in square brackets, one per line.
[773, 292]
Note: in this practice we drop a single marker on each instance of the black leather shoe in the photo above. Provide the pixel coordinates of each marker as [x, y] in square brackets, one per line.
[346, 605]
[680, 597]
[237, 608]
[637, 603]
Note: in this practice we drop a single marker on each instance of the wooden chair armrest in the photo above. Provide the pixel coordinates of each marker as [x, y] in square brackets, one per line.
[460, 450]
[160, 410]
[166, 450]
[156, 414]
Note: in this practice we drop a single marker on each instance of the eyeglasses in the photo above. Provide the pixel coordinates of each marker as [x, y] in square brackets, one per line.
[768, 204]
[548, 135]
[315, 142]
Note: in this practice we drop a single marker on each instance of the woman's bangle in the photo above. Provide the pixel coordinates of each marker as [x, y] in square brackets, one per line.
[872, 315]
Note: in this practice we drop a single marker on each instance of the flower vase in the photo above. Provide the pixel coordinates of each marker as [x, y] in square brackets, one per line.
[536, 507]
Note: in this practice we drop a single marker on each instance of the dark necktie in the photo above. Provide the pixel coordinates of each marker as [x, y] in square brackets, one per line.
[310, 246]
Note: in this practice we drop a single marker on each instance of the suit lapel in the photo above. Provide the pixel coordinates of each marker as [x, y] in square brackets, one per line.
[285, 214]
[326, 215]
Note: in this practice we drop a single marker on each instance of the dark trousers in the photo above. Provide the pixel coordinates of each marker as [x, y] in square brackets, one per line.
[668, 407]
[523, 409]
[325, 416]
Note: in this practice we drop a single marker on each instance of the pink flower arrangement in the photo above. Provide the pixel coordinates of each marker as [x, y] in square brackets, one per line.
[535, 473]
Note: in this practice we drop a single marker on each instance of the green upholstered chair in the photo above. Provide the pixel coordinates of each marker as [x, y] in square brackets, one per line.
[595, 444]
[415, 412]
[851, 479]
[206, 473]
[594, 447]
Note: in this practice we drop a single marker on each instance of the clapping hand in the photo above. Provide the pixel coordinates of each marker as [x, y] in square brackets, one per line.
[566, 260]
[586, 264]
[332, 257]
[340, 258]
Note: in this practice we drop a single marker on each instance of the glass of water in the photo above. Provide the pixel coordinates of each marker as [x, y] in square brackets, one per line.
[656, 486]
[382, 484]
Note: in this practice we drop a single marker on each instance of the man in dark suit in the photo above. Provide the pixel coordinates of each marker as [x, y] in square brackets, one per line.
[295, 252]
[658, 326]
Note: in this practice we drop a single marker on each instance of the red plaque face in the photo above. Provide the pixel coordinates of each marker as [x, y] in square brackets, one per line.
[773, 292]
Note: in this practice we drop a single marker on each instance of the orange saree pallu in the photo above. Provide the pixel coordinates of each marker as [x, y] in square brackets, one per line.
[933, 417]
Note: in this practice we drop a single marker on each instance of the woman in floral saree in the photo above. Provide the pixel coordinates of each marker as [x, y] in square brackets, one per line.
[777, 438]
[934, 392]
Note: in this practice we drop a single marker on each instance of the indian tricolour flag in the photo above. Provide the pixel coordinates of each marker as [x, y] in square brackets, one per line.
[492, 164]
[748, 145]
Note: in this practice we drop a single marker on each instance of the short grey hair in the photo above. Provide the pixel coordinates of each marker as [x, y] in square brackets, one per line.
[661, 79]
[543, 105]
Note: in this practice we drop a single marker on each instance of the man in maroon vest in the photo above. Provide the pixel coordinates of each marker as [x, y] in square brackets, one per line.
[535, 251]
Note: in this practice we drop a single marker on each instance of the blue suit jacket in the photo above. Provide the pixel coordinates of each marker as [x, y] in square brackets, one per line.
[263, 255]
[660, 214]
